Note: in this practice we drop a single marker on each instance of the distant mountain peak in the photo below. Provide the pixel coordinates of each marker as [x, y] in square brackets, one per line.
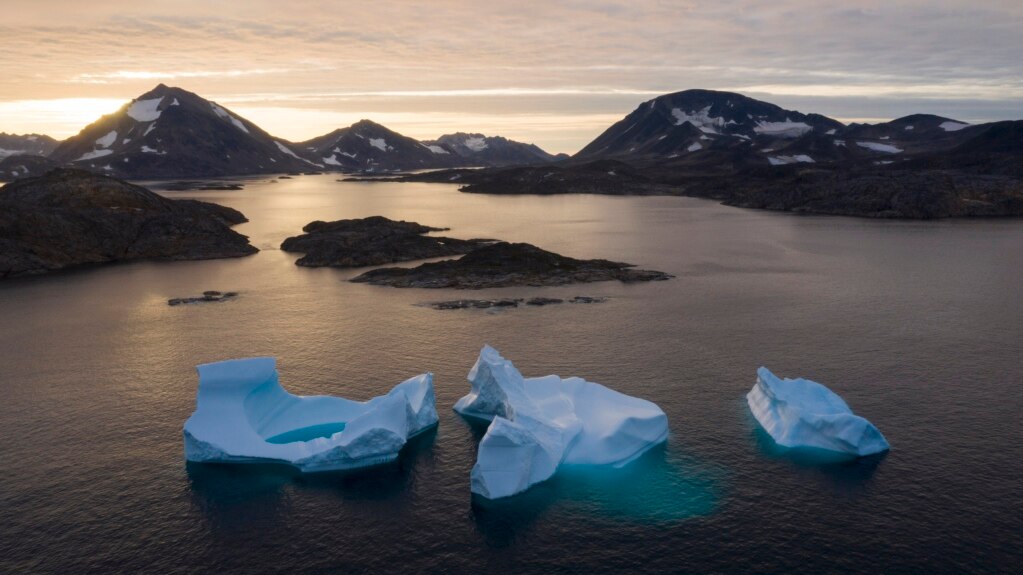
[170, 132]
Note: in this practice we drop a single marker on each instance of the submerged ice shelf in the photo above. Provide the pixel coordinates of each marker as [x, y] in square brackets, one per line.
[804, 413]
[540, 423]
[243, 415]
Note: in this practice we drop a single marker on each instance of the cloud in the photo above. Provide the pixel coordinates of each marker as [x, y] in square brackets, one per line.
[609, 55]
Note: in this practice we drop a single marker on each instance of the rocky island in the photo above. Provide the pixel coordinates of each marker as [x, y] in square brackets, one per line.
[71, 217]
[505, 264]
[372, 241]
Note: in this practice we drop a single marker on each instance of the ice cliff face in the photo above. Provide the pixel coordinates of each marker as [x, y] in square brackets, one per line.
[540, 423]
[804, 413]
[243, 415]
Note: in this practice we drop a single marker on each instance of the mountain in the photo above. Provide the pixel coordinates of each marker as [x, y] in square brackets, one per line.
[170, 133]
[480, 150]
[73, 217]
[23, 166]
[691, 121]
[368, 146]
[753, 154]
[26, 144]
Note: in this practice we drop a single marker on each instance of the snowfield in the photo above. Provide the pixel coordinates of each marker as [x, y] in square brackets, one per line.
[145, 110]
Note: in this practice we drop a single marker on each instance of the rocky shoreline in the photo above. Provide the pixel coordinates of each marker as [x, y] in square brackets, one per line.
[504, 264]
[372, 241]
[69, 217]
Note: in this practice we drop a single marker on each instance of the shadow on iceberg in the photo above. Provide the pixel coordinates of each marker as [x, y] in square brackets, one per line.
[221, 488]
[243, 415]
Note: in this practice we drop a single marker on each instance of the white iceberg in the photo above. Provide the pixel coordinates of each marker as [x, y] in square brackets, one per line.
[542, 422]
[243, 415]
[804, 413]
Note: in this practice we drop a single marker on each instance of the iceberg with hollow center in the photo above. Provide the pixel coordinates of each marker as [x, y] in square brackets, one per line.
[804, 413]
[243, 415]
[540, 423]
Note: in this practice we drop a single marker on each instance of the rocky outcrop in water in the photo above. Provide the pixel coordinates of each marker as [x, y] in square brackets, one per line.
[207, 296]
[372, 241]
[504, 264]
[72, 217]
[510, 302]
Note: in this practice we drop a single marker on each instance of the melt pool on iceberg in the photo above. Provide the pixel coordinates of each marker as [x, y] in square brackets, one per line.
[243, 415]
[804, 413]
[540, 423]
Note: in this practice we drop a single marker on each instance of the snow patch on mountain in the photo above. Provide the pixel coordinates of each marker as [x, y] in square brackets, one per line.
[786, 129]
[379, 143]
[285, 149]
[796, 159]
[701, 119]
[694, 147]
[145, 110]
[222, 113]
[878, 147]
[108, 140]
[953, 126]
[436, 149]
[331, 160]
[94, 154]
[475, 144]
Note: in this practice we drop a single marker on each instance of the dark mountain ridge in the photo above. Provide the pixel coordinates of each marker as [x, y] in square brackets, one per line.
[171, 133]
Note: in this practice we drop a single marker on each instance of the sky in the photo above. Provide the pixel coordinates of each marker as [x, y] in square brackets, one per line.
[554, 73]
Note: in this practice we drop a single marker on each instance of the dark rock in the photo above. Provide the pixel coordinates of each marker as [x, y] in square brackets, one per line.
[186, 186]
[475, 303]
[543, 301]
[587, 299]
[206, 297]
[72, 217]
[504, 264]
[372, 241]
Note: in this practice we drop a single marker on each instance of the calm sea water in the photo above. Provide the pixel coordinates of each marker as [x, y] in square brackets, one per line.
[918, 325]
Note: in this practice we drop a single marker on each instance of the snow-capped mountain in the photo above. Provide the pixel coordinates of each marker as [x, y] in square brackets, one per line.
[480, 150]
[694, 120]
[168, 133]
[368, 146]
[22, 144]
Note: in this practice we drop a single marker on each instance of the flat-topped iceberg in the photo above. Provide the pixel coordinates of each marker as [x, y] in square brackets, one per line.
[804, 413]
[540, 423]
[243, 415]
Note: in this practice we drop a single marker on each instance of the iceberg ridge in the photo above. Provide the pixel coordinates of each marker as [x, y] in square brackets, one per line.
[242, 413]
[804, 413]
[540, 423]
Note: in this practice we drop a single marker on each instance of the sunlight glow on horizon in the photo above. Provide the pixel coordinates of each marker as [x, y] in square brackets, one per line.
[58, 117]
